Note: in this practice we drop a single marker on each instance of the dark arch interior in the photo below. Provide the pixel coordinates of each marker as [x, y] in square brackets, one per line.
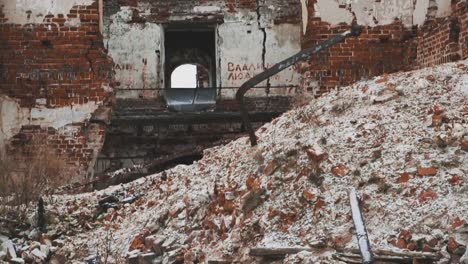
[188, 45]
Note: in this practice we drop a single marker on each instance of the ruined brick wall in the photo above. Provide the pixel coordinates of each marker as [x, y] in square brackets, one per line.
[378, 50]
[425, 34]
[460, 12]
[54, 74]
[247, 35]
[443, 39]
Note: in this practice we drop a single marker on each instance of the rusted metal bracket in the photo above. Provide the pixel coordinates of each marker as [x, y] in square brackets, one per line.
[302, 55]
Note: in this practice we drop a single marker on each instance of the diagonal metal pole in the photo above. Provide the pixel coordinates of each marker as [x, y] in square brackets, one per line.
[361, 232]
[302, 55]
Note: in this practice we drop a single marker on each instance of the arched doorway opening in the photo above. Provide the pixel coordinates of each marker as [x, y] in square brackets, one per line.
[190, 76]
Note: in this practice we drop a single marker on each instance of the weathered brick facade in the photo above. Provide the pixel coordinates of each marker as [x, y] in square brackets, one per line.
[445, 39]
[62, 62]
[377, 50]
[55, 67]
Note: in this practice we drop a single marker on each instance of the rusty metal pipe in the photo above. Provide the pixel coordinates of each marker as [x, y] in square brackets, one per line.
[302, 55]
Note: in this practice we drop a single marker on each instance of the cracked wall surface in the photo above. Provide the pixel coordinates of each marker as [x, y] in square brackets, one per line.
[256, 24]
[57, 70]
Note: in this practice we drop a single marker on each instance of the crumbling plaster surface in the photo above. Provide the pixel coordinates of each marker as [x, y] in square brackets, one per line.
[241, 44]
[282, 42]
[34, 11]
[373, 13]
[246, 42]
[13, 116]
[421, 9]
[133, 48]
[330, 12]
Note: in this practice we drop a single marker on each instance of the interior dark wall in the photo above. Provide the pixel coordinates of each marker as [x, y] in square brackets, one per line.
[194, 46]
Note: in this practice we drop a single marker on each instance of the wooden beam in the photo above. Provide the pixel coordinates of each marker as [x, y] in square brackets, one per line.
[268, 252]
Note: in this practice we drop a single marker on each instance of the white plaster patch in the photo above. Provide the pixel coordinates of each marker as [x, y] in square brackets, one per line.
[283, 41]
[444, 8]
[133, 47]
[124, 15]
[59, 117]
[238, 64]
[368, 12]
[330, 12]
[305, 15]
[372, 13]
[13, 117]
[420, 12]
[206, 9]
[16, 10]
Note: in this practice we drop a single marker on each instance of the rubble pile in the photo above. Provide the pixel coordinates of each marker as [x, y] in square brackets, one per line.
[401, 140]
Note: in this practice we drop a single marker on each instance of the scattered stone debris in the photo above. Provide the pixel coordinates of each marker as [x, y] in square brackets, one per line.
[289, 194]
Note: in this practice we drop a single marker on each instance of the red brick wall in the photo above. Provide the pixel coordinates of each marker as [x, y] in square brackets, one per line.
[442, 40]
[383, 49]
[75, 144]
[58, 66]
[64, 65]
[376, 51]
[461, 8]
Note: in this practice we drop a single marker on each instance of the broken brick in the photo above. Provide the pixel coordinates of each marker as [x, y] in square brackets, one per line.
[404, 177]
[457, 222]
[455, 180]
[455, 247]
[429, 171]
[271, 168]
[340, 170]
[308, 195]
[316, 157]
[437, 120]
[427, 195]
[464, 145]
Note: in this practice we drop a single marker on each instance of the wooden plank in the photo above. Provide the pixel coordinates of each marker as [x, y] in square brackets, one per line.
[267, 252]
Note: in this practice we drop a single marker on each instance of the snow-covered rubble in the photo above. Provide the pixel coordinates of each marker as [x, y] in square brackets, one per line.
[401, 140]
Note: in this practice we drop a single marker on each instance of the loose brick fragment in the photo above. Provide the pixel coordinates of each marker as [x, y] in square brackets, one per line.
[455, 247]
[308, 195]
[428, 171]
[427, 195]
[437, 120]
[340, 170]
[316, 157]
[457, 222]
[455, 180]
[404, 177]
[464, 145]
[271, 168]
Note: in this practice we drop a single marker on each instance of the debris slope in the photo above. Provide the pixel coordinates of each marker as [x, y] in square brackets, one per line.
[401, 140]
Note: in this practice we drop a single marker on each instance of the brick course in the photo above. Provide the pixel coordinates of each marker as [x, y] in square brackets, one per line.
[56, 65]
[377, 50]
[54, 61]
[383, 49]
[442, 40]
